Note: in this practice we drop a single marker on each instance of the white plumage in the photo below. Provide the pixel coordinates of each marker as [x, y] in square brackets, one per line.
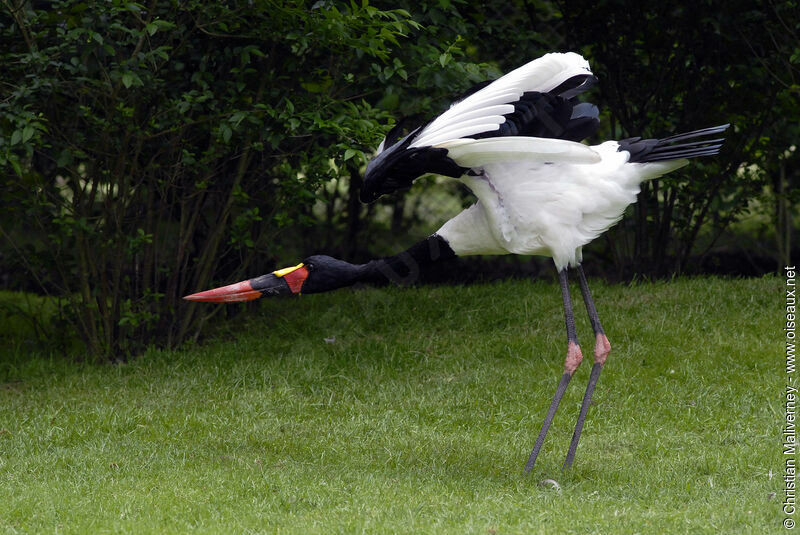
[483, 110]
[540, 196]
[543, 203]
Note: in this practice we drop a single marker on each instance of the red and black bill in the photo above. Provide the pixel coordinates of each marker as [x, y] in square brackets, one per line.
[286, 281]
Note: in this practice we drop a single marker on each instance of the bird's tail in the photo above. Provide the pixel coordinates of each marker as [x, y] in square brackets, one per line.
[677, 147]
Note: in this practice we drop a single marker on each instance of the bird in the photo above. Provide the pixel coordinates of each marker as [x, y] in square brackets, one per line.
[515, 142]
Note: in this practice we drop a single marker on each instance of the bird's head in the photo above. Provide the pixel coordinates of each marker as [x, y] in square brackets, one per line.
[315, 274]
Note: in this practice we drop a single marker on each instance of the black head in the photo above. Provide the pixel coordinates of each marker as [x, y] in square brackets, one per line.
[326, 273]
[316, 274]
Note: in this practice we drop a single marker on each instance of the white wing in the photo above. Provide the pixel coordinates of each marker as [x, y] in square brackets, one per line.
[474, 153]
[496, 99]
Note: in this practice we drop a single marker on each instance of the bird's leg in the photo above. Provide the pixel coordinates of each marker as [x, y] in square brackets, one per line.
[571, 364]
[601, 350]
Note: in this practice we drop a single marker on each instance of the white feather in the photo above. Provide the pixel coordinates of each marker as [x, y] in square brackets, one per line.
[506, 96]
[528, 207]
[479, 113]
[431, 134]
[543, 74]
[471, 153]
[482, 119]
[459, 131]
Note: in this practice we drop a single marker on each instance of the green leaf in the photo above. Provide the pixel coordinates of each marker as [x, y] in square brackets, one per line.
[27, 133]
[349, 153]
[163, 24]
[16, 136]
[17, 167]
[236, 118]
[127, 79]
[256, 52]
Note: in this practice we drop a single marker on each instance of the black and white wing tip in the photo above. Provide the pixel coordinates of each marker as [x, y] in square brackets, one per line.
[534, 100]
[485, 110]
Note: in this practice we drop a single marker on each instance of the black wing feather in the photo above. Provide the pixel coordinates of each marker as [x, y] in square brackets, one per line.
[555, 114]
[668, 148]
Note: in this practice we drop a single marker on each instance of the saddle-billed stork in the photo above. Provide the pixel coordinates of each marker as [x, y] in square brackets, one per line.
[515, 142]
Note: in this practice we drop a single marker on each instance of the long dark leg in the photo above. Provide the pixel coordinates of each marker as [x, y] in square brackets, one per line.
[571, 364]
[601, 350]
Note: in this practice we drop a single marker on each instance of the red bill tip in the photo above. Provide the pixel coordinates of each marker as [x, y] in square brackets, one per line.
[241, 291]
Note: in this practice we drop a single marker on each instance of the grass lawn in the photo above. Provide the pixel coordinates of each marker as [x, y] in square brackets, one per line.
[415, 416]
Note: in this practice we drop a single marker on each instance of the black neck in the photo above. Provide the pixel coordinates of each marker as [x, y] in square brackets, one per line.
[405, 268]
[327, 273]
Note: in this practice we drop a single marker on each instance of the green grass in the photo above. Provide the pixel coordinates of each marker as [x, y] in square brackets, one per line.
[418, 418]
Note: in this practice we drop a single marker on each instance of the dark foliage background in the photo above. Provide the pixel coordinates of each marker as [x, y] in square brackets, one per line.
[150, 150]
